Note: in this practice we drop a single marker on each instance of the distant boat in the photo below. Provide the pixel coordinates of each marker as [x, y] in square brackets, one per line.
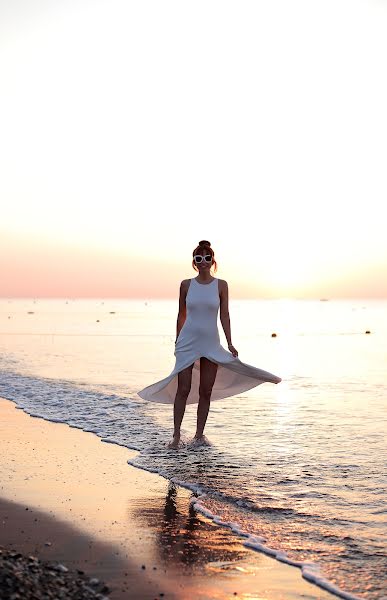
[324, 299]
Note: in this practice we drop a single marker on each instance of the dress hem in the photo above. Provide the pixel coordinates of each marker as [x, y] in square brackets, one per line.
[246, 381]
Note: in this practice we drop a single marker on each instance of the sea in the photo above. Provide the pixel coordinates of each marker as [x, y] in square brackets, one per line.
[298, 469]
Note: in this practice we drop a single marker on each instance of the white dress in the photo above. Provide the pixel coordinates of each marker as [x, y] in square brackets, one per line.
[198, 337]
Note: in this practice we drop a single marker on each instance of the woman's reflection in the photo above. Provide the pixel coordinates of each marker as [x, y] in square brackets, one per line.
[190, 538]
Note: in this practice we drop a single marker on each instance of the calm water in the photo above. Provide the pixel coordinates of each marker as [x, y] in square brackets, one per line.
[300, 466]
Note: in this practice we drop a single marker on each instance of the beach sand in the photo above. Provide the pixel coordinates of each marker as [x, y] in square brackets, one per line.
[68, 497]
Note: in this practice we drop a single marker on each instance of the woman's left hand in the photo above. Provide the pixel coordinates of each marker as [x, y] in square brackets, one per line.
[233, 350]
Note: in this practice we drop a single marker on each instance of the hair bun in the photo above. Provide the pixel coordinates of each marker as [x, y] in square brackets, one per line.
[205, 243]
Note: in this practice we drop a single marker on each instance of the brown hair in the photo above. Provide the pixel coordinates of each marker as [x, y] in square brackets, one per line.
[204, 245]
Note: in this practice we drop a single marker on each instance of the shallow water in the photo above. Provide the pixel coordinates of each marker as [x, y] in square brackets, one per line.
[301, 465]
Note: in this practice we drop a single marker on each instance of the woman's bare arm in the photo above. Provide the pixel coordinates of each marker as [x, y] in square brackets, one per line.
[182, 307]
[225, 315]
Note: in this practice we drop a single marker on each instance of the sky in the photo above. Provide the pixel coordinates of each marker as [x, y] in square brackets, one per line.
[130, 130]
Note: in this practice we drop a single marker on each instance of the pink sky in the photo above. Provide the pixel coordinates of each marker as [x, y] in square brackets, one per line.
[48, 270]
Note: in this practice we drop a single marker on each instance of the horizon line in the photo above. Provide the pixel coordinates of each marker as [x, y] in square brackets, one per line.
[158, 298]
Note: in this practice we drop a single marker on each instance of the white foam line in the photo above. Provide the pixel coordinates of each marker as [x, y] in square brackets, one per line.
[73, 425]
[117, 443]
[311, 573]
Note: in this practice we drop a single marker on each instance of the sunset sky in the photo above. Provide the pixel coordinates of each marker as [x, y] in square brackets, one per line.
[131, 130]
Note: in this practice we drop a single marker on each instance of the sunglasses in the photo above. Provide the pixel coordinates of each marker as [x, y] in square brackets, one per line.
[198, 258]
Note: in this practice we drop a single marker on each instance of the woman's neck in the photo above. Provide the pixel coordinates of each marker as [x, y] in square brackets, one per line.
[205, 277]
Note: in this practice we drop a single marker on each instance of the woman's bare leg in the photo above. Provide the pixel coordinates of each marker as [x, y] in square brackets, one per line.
[184, 379]
[208, 370]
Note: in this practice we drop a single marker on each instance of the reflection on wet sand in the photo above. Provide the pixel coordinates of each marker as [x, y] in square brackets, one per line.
[185, 537]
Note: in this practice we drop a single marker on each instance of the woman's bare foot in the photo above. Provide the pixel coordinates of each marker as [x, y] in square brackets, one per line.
[175, 442]
[201, 440]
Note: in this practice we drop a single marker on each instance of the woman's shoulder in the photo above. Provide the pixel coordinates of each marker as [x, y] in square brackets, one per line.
[222, 283]
[185, 284]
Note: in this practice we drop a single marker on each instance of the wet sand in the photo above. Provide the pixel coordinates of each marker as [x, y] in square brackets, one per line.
[90, 510]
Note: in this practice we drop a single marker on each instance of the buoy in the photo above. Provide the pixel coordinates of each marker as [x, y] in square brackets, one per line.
[273, 335]
[368, 331]
[97, 320]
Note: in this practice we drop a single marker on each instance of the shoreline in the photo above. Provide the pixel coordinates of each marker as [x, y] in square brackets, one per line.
[130, 528]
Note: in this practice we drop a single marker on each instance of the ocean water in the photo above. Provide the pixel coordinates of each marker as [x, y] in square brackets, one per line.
[298, 469]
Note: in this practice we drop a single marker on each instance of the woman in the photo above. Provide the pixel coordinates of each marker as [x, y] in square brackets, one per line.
[204, 370]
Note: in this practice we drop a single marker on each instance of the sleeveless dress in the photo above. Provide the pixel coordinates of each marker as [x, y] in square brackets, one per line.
[198, 337]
